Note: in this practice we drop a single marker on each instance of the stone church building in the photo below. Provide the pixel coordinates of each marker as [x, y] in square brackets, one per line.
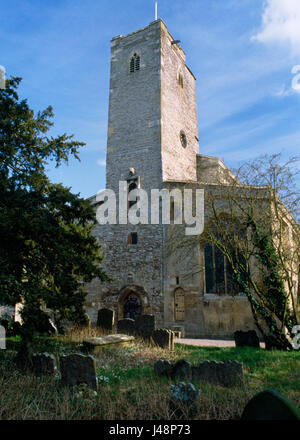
[152, 143]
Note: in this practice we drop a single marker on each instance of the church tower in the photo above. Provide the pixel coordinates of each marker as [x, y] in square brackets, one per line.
[152, 139]
[152, 110]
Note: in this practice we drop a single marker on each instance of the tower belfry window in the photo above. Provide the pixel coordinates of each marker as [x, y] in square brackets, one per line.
[135, 63]
[133, 184]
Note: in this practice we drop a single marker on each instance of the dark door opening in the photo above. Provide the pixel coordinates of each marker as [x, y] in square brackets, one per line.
[132, 307]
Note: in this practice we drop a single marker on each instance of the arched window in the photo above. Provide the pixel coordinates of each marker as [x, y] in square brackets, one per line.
[135, 63]
[218, 273]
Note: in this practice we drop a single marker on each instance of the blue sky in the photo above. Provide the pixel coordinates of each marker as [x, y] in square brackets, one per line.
[242, 53]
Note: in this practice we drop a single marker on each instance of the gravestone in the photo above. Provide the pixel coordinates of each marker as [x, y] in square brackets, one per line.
[105, 319]
[163, 338]
[76, 369]
[183, 401]
[181, 370]
[270, 405]
[126, 326]
[43, 363]
[246, 339]
[163, 367]
[219, 373]
[95, 345]
[145, 326]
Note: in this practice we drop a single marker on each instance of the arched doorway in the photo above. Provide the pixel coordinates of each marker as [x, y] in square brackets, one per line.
[132, 307]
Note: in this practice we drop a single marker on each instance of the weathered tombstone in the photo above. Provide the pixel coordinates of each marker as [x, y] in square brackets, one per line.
[106, 319]
[270, 405]
[163, 367]
[126, 326]
[246, 339]
[163, 338]
[145, 326]
[76, 369]
[181, 370]
[44, 363]
[219, 373]
[183, 401]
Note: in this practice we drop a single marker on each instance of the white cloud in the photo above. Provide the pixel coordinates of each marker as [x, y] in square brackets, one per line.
[281, 24]
[101, 162]
[296, 79]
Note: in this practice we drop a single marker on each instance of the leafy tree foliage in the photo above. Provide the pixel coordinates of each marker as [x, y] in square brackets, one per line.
[47, 248]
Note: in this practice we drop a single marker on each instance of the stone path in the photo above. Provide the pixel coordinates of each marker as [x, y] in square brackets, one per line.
[209, 342]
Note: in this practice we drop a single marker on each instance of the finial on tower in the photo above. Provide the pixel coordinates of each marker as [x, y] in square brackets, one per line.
[155, 11]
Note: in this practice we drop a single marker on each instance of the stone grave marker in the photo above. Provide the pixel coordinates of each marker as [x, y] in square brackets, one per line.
[43, 363]
[163, 338]
[145, 326]
[270, 405]
[181, 370]
[219, 373]
[246, 339]
[183, 401]
[76, 369]
[105, 319]
[126, 326]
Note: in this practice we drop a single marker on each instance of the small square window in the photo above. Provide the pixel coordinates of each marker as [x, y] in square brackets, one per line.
[133, 238]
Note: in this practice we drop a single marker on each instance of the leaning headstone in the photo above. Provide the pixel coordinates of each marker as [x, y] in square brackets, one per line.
[246, 339]
[163, 367]
[270, 405]
[105, 319]
[181, 370]
[183, 401]
[163, 338]
[219, 373]
[76, 369]
[44, 363]
[145, 326]
[126, 326]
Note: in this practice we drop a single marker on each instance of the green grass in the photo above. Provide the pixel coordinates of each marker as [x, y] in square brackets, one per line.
[129, 389]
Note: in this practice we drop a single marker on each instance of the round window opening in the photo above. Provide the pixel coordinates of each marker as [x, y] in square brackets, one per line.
[183, 139]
